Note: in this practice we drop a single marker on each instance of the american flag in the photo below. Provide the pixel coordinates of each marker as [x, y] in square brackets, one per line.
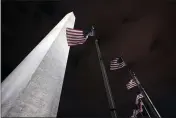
[131, 84]
[75, 37]
[140, 106]
[139, 96]
[117, 63]
[135, 113]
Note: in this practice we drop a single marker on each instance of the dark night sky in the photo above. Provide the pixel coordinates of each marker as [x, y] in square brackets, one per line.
[144, 32]
[24, 24]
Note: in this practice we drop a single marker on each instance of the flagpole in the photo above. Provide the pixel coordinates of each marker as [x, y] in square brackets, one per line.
[148, 100]
[106, 83]
[142, 90]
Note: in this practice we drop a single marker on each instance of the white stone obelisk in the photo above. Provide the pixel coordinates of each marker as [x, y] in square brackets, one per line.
[34, 87]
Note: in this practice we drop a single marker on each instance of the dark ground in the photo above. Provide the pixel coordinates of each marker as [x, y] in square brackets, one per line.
[143, 32]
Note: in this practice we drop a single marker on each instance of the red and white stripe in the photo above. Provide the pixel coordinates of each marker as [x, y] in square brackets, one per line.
[139, 96]
[131, 84]
[140, 106]
[135, 113]
[114, 64]
[75, 37]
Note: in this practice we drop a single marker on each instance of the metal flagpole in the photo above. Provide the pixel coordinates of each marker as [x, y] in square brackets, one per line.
[148, 100]
[146, 97]
[106, 83]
